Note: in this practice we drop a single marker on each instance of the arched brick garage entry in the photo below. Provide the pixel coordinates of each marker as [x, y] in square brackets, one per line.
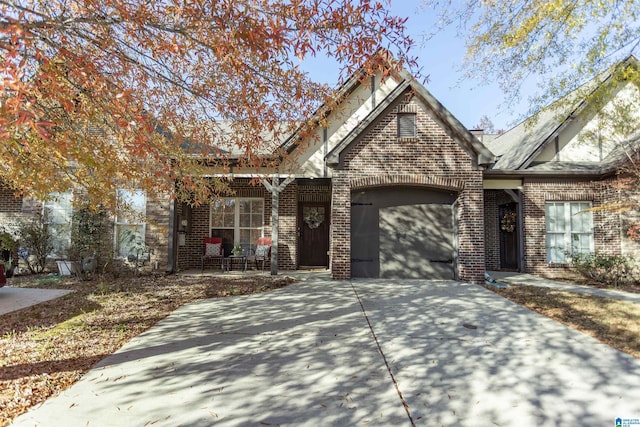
[403, 232]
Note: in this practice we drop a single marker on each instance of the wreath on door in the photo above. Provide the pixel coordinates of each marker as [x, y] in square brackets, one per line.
[508, 223]
[313, 217]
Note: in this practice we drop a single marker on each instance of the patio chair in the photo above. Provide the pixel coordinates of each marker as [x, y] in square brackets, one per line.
[262, 253]
[212, 250]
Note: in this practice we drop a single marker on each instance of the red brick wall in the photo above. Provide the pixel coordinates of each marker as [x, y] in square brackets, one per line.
[491, 230]
[288, 235]
[8, 201]
[157, 230]
[431, 159]
[607, 224]
[340, 241]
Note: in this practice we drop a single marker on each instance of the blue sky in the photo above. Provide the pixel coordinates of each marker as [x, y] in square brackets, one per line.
[441, 59]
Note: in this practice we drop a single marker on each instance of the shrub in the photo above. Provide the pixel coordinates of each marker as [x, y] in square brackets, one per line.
[610, 270]
[92, 237]
[34, 237]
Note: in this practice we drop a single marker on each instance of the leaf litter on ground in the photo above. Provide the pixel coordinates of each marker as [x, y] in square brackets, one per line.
[45, 348]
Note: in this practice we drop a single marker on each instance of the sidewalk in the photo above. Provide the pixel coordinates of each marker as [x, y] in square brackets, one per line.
[515, 278]
[13, 299]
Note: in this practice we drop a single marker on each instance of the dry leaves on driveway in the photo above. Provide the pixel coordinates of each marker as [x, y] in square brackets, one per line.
[46, 348]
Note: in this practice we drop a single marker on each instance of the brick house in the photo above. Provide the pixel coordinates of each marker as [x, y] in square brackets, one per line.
[404, 190]
[392, 185]
[554, 173]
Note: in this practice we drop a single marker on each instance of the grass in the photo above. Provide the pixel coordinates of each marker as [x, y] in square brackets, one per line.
[613, 322]
[46, 348]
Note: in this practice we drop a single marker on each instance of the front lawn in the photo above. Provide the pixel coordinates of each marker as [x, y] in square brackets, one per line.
[613, 322]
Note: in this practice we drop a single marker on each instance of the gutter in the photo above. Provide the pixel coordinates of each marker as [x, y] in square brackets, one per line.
[173, 238]
[600, 173]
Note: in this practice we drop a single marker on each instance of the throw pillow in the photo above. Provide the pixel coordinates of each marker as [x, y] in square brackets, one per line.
[262, 250]
[213, 249]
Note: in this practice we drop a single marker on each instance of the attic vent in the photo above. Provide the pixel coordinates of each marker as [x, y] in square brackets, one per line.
[407, 125]
[408, 108]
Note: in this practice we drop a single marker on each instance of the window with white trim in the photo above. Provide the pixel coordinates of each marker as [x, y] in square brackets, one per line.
[130, 222]
[407, 125]
[569, 228]
[57, 214]
[238, 220]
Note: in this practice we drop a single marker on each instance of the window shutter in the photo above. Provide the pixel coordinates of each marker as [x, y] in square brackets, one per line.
[407, 125]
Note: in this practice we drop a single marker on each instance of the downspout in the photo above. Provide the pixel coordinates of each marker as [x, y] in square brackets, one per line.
[173, 238]
[521, 264]
[373, 92]
[326, 148]
[456, 247]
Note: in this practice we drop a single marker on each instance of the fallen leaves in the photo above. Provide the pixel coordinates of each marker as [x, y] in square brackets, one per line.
[613, 322]
[44, 349]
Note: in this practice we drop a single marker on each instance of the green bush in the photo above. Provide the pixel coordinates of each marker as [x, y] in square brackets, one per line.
[35, 237]
[610, 270]
[92, 237]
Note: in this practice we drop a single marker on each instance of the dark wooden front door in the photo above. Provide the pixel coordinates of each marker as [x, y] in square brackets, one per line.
[508, 217]
[313, 224]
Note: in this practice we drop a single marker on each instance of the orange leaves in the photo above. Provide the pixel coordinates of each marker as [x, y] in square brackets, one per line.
[159, 82]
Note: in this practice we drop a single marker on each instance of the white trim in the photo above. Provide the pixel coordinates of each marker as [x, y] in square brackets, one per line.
[567, 234]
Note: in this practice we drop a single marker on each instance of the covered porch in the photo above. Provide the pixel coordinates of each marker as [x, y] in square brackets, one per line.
[243, 216]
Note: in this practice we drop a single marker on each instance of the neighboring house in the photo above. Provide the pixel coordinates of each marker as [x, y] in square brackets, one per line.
[392, 185]
[555, 172]
[146, 220]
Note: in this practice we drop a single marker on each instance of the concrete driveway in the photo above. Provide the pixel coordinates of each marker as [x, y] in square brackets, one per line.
[441, 353]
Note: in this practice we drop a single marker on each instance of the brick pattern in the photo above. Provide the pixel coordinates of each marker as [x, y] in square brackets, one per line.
[340, 241]
[491, 230]
[288, 235]
[315, 193]
[9, 202]
[432, 181]
[157, 230]
[492, 200]
[432, 159]
[607, 224]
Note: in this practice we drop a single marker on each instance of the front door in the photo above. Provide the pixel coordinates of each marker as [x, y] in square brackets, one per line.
[313, 226]
[508, 217]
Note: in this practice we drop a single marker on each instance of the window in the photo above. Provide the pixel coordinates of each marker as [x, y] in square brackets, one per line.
[130, 225]
[57, 213]
[239, 221]
[407, 125]
[569, 229]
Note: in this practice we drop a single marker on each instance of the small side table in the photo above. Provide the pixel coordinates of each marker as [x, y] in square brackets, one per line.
[231, 259]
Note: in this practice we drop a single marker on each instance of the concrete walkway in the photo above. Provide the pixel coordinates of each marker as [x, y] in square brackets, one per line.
[375, 353]
[12, 299]
[515, 278]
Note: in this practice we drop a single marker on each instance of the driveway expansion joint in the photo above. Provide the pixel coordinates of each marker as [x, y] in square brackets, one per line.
[384, 358]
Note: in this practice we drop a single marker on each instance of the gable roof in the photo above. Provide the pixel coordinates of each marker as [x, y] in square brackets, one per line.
[481, 154]
[519, 146]
[381, 57]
